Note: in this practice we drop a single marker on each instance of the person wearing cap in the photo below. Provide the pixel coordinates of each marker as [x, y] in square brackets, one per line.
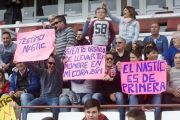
[65, 36]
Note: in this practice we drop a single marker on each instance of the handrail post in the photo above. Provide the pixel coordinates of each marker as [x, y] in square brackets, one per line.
[1, 36]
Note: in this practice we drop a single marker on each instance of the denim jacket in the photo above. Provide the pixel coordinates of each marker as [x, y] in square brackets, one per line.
[128, 32]
[33, 82]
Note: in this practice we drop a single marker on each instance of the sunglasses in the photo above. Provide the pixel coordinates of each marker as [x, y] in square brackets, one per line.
[52, 63]
[118, 42]
[55, 23]
[109, 59]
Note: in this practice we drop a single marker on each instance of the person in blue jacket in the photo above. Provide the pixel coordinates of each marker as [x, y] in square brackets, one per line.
[160, 40]
[24, 86]
[169, 57]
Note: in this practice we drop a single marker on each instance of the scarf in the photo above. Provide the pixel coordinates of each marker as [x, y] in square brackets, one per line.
[81, 42]
[127, 20]
[111, 72]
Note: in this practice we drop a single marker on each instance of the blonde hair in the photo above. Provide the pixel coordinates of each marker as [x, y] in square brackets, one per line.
[52, 16]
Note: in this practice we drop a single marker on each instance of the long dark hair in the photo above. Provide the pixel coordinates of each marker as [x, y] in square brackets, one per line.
[3, 81]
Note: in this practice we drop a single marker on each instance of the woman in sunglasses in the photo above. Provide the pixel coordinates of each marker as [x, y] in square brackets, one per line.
[128, 25]
[109, 91]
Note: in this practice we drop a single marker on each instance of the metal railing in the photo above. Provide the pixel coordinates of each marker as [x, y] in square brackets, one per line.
[108, 106]
[78, 21]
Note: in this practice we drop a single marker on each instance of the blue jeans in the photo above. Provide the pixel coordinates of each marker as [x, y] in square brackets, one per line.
[156, 100]
[120, 100]
[25, 99]
[64, 101]
[133, 100]
[51, 101]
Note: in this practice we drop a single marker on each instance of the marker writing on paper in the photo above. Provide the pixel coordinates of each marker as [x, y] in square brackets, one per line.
[31, 40]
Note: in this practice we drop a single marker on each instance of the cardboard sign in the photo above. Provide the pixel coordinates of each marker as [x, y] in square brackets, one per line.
[143, 77]
[85, 62]
[34, 46]
[6, 112]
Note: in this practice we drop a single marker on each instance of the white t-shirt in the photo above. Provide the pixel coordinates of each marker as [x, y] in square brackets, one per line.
[160, 57]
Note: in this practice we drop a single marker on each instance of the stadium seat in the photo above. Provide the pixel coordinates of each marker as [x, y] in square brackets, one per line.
[172, 24]
[149, 115]
[44, 19]
[38, 115]
[163, 22]
[80, 115]
[145, 25]
[1, 23]
[170, 115]
[28, 29]
[77, 26]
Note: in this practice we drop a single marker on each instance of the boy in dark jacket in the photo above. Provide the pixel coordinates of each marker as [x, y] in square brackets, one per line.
[93, 111]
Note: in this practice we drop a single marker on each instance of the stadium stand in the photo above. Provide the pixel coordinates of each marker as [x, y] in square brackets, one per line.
[172, 24]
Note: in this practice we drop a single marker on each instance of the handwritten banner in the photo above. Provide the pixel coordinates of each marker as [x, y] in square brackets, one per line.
[35, 45]
[143, 77]
[6, 112]
[85, 62]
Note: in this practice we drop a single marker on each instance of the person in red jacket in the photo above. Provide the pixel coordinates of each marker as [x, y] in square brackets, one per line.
[4, 84]
[92, 110]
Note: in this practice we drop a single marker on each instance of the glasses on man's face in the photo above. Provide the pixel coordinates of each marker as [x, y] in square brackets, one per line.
[55, 23]
[101, 12]
[118, 42]
[109, 58]
[51, 63]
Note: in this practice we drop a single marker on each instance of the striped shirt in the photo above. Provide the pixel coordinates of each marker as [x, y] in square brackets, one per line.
[64, 38]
